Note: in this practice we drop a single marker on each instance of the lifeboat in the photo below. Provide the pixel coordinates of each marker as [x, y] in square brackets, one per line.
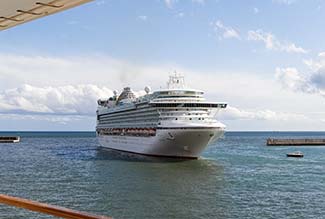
[152, 132]
[295, 154]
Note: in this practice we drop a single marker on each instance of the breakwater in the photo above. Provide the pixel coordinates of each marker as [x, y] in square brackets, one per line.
[295, 142]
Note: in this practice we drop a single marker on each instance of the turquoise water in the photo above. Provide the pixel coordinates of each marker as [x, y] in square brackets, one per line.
[239, 177]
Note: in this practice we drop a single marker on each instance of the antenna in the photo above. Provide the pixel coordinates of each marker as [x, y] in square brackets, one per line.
[176, 81]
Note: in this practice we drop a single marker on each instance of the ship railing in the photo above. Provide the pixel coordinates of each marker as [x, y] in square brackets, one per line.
[47, 209]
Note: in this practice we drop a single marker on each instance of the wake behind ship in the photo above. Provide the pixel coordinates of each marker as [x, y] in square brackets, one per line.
[172, 122]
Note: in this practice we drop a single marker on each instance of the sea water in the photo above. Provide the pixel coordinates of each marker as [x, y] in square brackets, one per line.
[238, 177]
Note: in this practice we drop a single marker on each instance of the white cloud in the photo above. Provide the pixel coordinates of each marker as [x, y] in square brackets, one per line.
[290, 78]
[74, 100]
[70, 86]
[224, 32]
[46, 71]
[285, 2]
[316, 65]
[60, 119]
[101, 2]
[233, 113]
[256, 10]
[66, 103]
[72, 22]
[272, 43]
[312, 82]
[142, 17]
[321, 54]
[202, 2]
[170, 3]
[180, 14]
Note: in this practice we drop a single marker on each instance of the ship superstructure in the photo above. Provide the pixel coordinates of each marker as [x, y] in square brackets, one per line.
[174, 122]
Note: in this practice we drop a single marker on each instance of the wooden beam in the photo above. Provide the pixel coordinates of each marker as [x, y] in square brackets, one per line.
[49, 5]
[10, 19]
[47, 209]
[25, 11]
[29, 12]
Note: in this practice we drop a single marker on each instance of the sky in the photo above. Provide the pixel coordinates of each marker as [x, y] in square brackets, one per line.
[266, 59]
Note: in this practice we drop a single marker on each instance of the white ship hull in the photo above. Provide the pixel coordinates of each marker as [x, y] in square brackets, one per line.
[182, 143]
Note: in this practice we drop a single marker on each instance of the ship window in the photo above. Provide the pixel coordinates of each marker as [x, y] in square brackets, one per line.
[190, 118]
[176, 119]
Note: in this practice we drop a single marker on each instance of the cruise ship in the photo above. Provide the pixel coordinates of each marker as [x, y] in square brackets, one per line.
[172, 122]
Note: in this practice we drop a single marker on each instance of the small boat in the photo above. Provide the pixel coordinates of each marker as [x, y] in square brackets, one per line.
[9, 139]
[295, 154]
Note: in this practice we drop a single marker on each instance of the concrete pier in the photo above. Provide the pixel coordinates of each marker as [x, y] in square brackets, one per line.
[295, 142]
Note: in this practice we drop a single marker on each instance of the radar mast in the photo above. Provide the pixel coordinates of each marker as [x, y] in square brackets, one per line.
[176, 81]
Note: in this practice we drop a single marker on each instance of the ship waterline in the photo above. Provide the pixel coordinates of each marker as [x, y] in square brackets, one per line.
[174, 122]
[185, 143]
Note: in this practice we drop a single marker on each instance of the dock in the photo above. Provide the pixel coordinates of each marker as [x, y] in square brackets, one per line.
[295, 142]
[9, 139]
